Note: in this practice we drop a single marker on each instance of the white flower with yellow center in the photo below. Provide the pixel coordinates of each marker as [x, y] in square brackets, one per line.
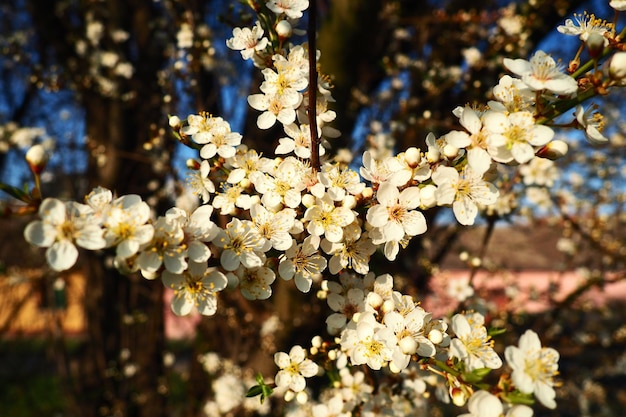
[534, 367]
[241, 244]
[302, 263]
[167, 248]
[246, 165]
[195, 287]
[326, 219]
[340, 182]
[273, 227]
[298, 142]
[248, 41]
[514, 136]
[593, 123]
[294, 367]
[200, 183]
[368, 342]
[125, 225]
[472, 344]
[283, 186]
[465, 191]
[584, 25]
[255, 283]
[352, 252]
[542, 73]
[395, 212]
[61, 228]
[198, 229]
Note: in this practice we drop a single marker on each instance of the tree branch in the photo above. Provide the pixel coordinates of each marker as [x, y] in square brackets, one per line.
[312, 110]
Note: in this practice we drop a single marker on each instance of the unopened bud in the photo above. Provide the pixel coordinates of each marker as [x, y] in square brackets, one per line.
[433, 155]
[427, 196]
[374, 300]
[412, 157]
[595, 44]
[284, 29]
[174, 121]
[349, 202]
[459, 398]
[450, 151]
[435, 336]
[192, 164]
[308, 200]
[37, 158]
[617, 66]
[553, 150]
[408, 345]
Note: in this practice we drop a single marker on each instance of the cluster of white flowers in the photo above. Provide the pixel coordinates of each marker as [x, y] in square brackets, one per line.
[302, 220]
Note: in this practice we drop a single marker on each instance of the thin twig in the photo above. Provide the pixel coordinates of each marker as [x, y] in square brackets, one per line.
[315, 143]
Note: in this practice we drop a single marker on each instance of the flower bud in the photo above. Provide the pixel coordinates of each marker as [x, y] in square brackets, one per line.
[174, 121]
[37, 158]
[412, 157]
[284, 29]
[450, 151]
[308, 200]
[408, 345]
[459, 398]
[435, 336]
[427, 196]
[349, 201]
[553, 150]
[617, 66]
[595, 44]
[433, 155]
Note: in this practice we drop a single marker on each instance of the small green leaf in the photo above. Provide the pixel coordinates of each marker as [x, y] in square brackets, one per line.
[254, 391]
[476, 375]
[494, 331]
[22, 195]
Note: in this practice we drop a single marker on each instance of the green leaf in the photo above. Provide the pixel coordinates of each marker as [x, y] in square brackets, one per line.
[254, 391]
[476, 375]
[494, 331]
[21, 195]
[261, 389]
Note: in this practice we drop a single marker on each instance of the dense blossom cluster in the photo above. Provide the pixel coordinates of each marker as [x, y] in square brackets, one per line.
[319, 224]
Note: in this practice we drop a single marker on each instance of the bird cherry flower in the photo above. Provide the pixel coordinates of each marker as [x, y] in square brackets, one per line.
[395, 212]
[368, 342]
[254, 282]
[472, 344]
[326, 219]
[302, 263]
[291, 8]
[534, 368]
[541, 72]
[167, 248]
[241, 244]
[61, 228]
[248, 41]
[465, 191]
[126, 225]
[195, 287]
[515, 136]
[352, 252]
[294, 368]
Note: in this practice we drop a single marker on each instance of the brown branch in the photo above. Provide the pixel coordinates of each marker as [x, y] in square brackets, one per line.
[312, 110]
